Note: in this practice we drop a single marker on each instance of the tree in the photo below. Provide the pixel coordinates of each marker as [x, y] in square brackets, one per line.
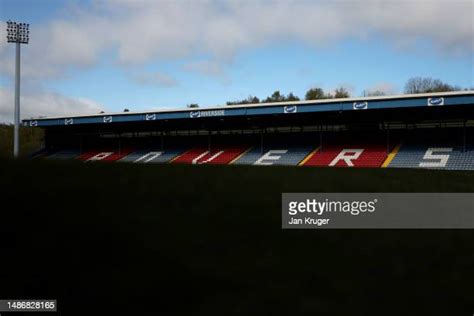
[341, 92]
[373, 93]
[253, 99]
[316, 94]
[126, 110]
[292, 97]
[250, 100]
[427, 85]
[193, 105]
[275, 97]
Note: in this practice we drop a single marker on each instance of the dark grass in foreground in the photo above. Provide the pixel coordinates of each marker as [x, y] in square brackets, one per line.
[206, 240]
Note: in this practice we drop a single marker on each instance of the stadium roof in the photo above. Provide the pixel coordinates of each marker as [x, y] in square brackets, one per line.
[442, 99]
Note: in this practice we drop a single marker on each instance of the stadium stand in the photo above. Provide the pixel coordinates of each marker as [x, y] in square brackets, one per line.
[410, 131]
[420, 149]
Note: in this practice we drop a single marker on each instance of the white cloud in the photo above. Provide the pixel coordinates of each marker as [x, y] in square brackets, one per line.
[145, 30]
[44, 104]
[205, 67]
[385, 87]
[154, 79]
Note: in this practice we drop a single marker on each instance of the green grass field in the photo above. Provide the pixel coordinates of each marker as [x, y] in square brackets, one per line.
[206, 240]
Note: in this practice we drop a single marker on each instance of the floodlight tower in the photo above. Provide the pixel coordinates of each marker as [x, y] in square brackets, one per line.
[17, 33]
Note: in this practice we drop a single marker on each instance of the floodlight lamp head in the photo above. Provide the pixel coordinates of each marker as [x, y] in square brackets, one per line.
[17, 32]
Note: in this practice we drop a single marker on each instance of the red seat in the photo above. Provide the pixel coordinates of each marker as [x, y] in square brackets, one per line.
[216, 156]
[104, 155]
[368, 155]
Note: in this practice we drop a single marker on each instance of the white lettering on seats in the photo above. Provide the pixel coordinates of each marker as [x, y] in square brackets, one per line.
[432, 153]
[347, 155]
[270, 157]
[196, 160]
[100, 156]
[149, 156]
[212, 157]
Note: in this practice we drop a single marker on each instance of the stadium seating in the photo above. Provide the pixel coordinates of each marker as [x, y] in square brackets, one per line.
[274, 155]
[219, 155]
[434, 157]
[437, 149]
[349, 156]
[152, 156]
[64, 154]
[104, 155]
[350, 151]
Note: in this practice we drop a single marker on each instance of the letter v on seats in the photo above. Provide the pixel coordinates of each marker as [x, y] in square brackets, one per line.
[195, 160]
[212, 157]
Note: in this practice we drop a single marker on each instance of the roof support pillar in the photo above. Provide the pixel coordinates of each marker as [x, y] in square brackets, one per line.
[80, 144]
[209, 141]
[321, 140]
[162, 138]
[464, 137]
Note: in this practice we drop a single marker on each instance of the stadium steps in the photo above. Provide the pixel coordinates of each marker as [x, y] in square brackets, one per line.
[240, 156]
[308, 157]
[391, 156]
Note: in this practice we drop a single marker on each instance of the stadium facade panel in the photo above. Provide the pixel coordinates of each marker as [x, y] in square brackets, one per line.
[269, 109]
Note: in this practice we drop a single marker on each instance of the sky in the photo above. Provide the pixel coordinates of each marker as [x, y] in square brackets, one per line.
[107, 55]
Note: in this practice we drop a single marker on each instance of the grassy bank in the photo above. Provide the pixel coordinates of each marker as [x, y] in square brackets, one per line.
[30, 140]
